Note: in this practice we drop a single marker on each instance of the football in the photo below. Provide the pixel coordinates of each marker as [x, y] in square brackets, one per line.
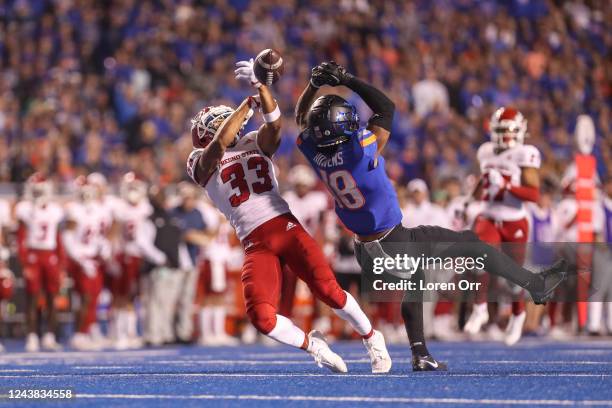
[268, 66]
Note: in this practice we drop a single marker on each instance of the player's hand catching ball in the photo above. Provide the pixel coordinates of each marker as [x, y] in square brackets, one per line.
[244, 72]
[329, 73]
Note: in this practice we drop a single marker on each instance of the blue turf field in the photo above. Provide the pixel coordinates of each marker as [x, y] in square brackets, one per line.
[534, 373]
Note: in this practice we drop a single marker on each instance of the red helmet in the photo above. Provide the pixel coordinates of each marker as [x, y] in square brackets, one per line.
[38, 187]
[508, 128]
[206, 122]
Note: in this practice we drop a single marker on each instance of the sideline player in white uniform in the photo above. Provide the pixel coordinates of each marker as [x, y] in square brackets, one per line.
[238, 175]
[510, 177]
[131, 213]
[40, 253]
[82, 239]
[7, 279]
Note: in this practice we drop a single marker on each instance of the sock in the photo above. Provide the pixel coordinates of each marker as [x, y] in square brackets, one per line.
[287, 333]
[412, 313]
[218, 317]
[131, 323]
[352, 313]
[121, 324]
[206, 323]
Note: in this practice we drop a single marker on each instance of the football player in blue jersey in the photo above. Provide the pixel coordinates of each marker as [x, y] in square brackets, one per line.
[347, 157]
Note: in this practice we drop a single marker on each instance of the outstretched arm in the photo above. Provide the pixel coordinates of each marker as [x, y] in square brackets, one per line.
[268, 137]
[383, 107]
[211, 156]
[303, 105]
[330, 73]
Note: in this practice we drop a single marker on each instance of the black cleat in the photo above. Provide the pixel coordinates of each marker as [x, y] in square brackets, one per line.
[551, 278]
[427, 363]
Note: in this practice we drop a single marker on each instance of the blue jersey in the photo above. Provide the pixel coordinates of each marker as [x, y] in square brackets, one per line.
[366, 202]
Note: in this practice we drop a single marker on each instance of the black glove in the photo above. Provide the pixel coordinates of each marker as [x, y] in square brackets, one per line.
[329, 73]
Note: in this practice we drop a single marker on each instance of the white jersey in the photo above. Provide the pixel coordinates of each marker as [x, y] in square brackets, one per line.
[131, 217]
[308, 209]
[41, 222]
[244, 186]
[509, 163]
[88, 219]
[5, 214]
[427, 213]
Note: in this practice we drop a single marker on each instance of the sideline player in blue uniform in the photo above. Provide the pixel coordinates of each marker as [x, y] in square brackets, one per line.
[348, 160]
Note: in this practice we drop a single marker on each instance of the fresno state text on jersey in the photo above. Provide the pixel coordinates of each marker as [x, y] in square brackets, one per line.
[243, 186]
[509, 163]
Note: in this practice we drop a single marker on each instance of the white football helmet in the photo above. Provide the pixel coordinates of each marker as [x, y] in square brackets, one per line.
[132, 189]
[206, 123]
[38, 188]
[508, 128]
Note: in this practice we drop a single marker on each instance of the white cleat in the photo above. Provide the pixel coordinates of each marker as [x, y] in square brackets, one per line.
[377, 350]
[478, 318]
[83, 342]
[514, 331]
[49, 343]
[323, 355]
[32, 344]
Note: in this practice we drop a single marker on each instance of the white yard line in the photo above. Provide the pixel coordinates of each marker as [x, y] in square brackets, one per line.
[390, 400]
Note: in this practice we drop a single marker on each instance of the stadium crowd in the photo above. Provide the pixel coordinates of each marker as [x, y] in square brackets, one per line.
[109, 87]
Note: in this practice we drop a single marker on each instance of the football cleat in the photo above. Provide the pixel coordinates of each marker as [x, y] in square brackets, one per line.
[377, 350]
[550, 279]
[478, 318]
[49, 343]
[427, 363]
[32, 343]
[323, 355]
[514, 331]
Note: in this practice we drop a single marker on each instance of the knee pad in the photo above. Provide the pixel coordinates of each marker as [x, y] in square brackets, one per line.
[263, 317]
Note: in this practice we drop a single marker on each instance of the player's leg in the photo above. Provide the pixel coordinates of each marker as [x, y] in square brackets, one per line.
[52, 280]
[33, 286]
[288, 286]
[514, 236]
[85, 287]
[261, 280]
[447, 243]
[304, 256]
[487, 231]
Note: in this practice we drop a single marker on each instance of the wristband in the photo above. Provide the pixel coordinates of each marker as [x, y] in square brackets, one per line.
[313, 84]
[272, 116]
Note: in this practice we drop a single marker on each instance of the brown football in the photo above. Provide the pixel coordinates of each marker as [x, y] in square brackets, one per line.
[268, 66]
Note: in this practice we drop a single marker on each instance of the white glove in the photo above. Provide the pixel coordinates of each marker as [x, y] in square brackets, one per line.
[496, 183]
[89, 268]
[244, 72]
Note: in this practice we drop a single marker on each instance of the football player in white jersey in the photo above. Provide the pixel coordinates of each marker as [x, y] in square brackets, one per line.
[7, 279]
[510, 177]
[81, 238]
[41, 256]
[131, 212]
[238, 174]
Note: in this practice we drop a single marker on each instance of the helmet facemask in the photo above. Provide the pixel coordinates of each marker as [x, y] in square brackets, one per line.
[206, 124]
[508, 128]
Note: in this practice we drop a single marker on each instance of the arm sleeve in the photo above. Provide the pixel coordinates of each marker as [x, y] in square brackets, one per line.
[381, 105]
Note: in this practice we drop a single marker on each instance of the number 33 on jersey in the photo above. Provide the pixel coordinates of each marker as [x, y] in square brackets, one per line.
[244, 186]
